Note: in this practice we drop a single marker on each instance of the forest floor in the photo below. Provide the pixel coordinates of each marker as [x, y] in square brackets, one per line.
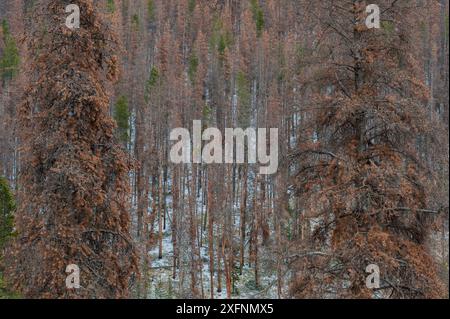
[163, 286]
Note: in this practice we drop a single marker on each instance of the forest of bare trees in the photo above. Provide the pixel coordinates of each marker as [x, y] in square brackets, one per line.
[86, 176]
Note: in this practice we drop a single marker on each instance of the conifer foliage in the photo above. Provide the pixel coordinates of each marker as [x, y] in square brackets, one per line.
[362, 180]
[74, 183]
[7, 206]
[361, 187]
[9, 60]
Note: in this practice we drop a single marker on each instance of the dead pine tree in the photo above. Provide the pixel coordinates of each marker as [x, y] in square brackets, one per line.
[74, 175]
[360, 177]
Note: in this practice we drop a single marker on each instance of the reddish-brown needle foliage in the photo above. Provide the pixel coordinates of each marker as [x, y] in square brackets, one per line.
[360, 176]
[74, 175]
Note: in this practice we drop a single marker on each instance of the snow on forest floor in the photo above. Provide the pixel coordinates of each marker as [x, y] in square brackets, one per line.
[162, 286]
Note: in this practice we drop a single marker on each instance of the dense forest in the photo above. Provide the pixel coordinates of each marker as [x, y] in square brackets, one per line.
[88, 184]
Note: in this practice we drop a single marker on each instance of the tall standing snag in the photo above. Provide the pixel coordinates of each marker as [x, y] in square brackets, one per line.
[74, 174]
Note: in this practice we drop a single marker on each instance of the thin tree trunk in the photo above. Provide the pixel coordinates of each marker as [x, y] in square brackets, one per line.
[243, 209]
[210, 209]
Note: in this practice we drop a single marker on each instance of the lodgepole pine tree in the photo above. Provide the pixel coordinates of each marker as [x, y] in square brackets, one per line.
[74, 173]
[361, 177]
